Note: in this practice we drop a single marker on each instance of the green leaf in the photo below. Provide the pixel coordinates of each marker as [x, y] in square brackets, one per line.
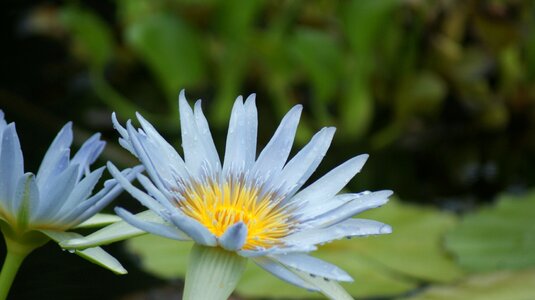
[362, 23]
[99, 220]
[493, 286]
[171, 49]
[497, 237]
[212, 273]
[91, 35]
[95, 255]
[321, 58]
[115, 232]
[381, 265]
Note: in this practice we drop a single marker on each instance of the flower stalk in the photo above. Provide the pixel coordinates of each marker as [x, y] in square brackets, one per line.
[213, 273]
[16, 253]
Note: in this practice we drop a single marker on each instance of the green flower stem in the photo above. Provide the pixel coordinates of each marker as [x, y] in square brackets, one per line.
[16, 253]
[213, 273]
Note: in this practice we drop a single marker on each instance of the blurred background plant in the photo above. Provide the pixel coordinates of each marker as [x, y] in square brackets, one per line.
[440, 93]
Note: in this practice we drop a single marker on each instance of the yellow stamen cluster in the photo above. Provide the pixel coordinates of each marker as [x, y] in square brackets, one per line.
[219, 206]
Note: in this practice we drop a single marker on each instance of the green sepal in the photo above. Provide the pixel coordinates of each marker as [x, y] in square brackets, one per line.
[95, 255]
[99, 220]
[330, 288]
[213, 273]
[112, 233]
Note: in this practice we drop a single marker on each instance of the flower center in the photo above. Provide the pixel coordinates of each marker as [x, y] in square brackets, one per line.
[219, 206]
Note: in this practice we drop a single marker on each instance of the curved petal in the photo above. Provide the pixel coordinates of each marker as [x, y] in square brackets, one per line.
[142, 197]
[199, 233]
[281, 272]
[54, 195]
[154, 192]
[349, 209]
[124, 140]
[346, 229]
[162, 229]
[164, 157]
[54, 160]
[305, 162]
[206, 137]
[237, 145]
[277, 250]
[81, 191]
[11, 166]
[328, 185]
[97, 202]
[234, 237]
[198, 151]
[312, 265]
[274, 155]
[88, 153]
[137, 140]
[26, 199]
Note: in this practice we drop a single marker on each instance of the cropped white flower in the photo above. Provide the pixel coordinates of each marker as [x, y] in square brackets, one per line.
[37, 208]
[249, 205]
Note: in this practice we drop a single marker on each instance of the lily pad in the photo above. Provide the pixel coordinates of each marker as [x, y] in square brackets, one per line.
[508, 285]
[380, 265]
[497, 237]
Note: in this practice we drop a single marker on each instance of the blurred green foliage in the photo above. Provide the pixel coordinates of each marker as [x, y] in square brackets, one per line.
[345, 59]
[442, 93]
[445, 88]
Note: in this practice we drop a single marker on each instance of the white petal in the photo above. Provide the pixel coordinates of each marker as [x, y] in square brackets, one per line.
[161, 229]
[251, 129]
[142, 197]
[304, 163]
[330, 204]
[26, 199]
[87, 208]
[88, 153]
[278, 250]
[237, 140]
[281, 272]
[345, 229]
[332, 289]
[124, 140]
[139, 143]
[234, 237]
[54, 195]
[56, 153]
[206, 137]
[154, 192]
[329, 185]
[164, 156]
[200, 234]
[274, 155]
[193, 143]
[349, 209]
[312, 265]
[11, 165]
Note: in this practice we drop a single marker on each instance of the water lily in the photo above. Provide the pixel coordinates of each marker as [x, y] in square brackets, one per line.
[246, 207]
[37, 208]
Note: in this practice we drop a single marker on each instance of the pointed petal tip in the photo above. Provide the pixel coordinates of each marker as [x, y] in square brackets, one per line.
[121, 271]
[73, 243]
[251, 99]
[297, 109]
[386, 229]
[234, 237]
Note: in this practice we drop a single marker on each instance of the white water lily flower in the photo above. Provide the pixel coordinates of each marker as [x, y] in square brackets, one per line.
[37, 208]
[246, 207]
